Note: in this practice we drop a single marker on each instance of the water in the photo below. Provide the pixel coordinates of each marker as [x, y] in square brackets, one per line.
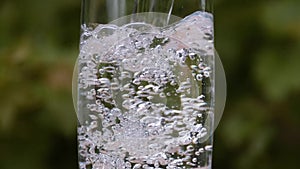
[146, 95]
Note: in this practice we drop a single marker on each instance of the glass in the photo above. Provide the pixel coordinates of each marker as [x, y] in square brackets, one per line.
[145, 84]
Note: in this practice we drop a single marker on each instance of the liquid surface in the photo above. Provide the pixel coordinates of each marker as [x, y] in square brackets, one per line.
[146, 95]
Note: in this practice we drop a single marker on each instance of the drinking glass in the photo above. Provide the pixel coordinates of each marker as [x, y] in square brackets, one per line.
[145, 84]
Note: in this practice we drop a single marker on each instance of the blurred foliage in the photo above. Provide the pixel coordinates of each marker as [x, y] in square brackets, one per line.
[259, 44]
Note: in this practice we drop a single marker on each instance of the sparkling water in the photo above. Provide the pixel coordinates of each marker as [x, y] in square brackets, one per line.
[146, 95]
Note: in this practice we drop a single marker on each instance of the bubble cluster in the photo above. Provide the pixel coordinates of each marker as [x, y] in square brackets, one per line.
[146, 96]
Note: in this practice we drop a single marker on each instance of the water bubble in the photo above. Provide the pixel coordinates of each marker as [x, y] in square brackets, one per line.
[173, 83]
[201, 150]
[206, 74]
[162, 95]
[90, 95]
[136, 81]
[142, 93]
[101, 32]
[150, 161]
[109, 69]
[199, 77]
[115, 86]
[190, 148]
[208, 36]
[201, 66]
[91, 64]
[88, 106]
[185, 140]
[139, 26]
[156, 164]
[98, 102]
[128, 164]
[208, 147]
[190, 164]
[137, 166]
[194, 67]
[150, 97]
[178, 162]
[101, 71]
[93, 117]
[125, 75]
[94, 124]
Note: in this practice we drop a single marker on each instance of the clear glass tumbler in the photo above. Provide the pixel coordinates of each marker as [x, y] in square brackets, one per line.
[146, 84]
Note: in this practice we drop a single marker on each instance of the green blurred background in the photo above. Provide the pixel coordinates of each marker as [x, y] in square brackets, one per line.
[259, 44]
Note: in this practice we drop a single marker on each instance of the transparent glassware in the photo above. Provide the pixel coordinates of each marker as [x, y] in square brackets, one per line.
[145, 84]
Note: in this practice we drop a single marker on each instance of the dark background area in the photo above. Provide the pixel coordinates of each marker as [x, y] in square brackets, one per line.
[258, 42]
